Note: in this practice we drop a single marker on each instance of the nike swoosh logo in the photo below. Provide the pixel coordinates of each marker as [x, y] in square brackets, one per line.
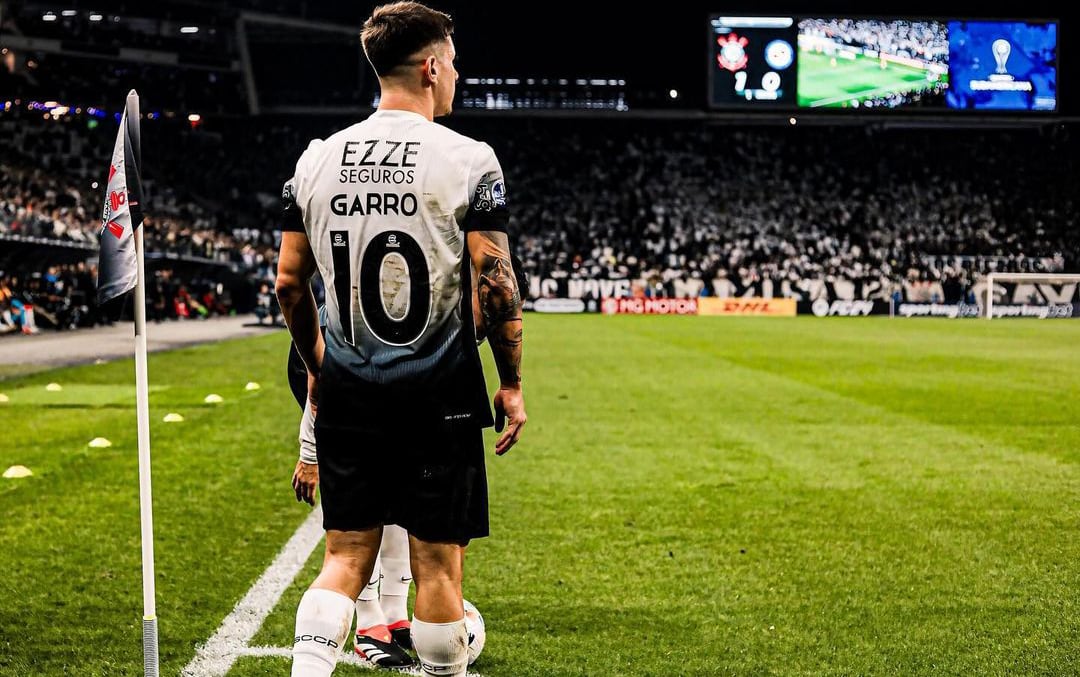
[405, 579]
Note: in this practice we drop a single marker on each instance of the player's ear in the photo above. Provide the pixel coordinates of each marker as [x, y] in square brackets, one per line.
[429, 64]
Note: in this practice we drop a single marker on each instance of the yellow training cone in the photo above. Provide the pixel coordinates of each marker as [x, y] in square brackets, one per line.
[252, 385]
[173, 418]
[100, 443]
[4, 398]
[213, 399]
[17, 471]
[54, 387]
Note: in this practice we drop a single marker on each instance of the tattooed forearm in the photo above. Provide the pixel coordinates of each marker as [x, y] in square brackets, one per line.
[500, 301]
[508, 358]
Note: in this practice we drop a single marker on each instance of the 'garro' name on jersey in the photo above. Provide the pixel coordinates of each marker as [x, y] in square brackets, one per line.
[375, 203]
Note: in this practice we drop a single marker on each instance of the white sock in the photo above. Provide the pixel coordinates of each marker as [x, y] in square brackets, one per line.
[323, 621]
[370, 593]
[394, 590]
[368, 610]
[443, 648]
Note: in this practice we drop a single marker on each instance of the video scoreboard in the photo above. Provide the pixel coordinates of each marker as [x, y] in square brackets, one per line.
[806, 62]
[753, 61]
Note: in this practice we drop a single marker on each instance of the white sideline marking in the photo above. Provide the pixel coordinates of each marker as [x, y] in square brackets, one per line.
[216, 657]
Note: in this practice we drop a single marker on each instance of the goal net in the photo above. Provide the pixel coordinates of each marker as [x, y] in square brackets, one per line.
[1046, 296]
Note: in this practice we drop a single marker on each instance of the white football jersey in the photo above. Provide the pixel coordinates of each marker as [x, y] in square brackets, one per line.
[385, 204]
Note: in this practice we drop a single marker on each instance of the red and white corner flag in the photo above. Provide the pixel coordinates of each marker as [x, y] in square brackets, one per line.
[120, 269]
[122, 213]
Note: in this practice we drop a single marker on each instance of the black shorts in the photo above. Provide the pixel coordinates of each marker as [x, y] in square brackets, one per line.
[384, 458]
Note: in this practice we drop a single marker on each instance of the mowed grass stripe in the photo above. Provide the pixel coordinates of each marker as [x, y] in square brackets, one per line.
[1014, 385]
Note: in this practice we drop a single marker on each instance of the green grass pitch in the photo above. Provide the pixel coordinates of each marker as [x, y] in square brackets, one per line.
[823, 85]
[693, 496]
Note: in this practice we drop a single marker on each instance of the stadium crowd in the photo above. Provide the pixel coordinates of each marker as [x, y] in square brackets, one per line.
[51, 192]
[717, 203]
[63, 297]
[674, 207]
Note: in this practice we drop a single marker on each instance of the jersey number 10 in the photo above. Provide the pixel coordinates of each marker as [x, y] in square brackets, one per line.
[391, 260]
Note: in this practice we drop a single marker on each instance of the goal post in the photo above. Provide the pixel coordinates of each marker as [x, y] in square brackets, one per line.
[1052, 296]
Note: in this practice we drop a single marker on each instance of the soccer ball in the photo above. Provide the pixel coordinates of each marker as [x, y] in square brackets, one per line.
[474, 625]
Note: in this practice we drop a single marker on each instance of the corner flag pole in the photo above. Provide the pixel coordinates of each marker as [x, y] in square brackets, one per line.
[121, 269]
[142, 412]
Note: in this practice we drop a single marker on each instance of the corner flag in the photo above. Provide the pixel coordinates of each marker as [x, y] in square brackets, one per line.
[122, 213]
[120, 269]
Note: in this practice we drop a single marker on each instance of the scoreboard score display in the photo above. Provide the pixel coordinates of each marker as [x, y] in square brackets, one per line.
[792, 63]
[753, 61]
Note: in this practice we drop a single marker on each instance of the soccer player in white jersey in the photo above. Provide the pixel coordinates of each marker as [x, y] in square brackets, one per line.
[395, 212]
[382, 614]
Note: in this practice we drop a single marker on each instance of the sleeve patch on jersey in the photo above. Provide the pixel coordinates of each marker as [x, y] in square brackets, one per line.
[292, 218]
[489, 196]
[488, 209]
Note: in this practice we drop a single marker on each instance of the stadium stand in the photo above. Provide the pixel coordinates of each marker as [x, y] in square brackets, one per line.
[677, 207]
